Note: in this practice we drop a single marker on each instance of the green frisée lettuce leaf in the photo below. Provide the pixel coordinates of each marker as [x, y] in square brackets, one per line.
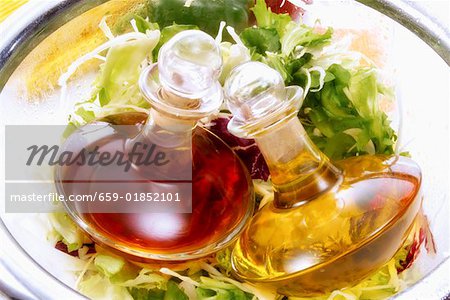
[297, 35]
[344, 119]
[261, 39]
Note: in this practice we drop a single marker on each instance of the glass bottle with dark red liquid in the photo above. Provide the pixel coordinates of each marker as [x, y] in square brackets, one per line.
[330, 225]
[179, 192]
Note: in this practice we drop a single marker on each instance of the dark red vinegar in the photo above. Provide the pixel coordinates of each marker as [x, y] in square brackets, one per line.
[221, 192]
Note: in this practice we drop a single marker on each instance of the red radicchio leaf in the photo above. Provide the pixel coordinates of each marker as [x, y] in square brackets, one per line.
[423, 236]
[246, 149]
[63, 247]
[286, 7]
[414, 251]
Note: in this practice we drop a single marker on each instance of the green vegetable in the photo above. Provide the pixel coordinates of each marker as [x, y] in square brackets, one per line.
[109, 265]
[212, 289]
[232, 55]
[344, 119]
[341, 111]
[223, 258]
[100, 288]
[206, 14]
[143, 25]
[116, 88]
[120, 74]
[302, 35]
[144, 294]
[68, 230]
[173, 292]
[261, 39]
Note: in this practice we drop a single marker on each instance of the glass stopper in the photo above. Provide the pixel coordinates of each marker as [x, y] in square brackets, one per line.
[184, 82]
[257, 97]
[190, 63]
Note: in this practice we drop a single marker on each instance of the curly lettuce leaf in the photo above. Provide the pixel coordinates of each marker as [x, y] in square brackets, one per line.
[344, 118]
[261, 39]
[302, 35]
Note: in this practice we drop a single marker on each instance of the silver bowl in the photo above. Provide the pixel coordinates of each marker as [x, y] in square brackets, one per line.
[28, 274]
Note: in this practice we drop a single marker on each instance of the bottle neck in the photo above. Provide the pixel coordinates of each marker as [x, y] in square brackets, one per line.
[167, 131]
[299, 170]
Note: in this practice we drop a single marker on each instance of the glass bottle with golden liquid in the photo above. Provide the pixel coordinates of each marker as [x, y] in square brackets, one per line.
[140, 211]
[329, 225]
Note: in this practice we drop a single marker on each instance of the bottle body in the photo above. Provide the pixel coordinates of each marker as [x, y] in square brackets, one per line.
[222, 198]
[338, 238]
[329, 225]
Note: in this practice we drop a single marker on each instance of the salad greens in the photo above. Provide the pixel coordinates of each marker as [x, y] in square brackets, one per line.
[341, 114]
[107, 276]
[341, 110]
[206, 14]
[116, 86]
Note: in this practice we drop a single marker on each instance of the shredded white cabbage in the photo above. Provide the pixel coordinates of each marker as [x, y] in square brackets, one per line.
[147, 279]
[179, 276]
[188, 289]
[220, 32]
[308, 82]
[234, 36]
[64, 78]
[85, 269]
[105, 28]
[133, 24]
